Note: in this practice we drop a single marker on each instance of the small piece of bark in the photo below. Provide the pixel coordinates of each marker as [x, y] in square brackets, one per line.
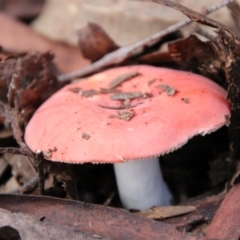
[186, 100]
[41, 177]
[126, 95]
[85, 136]
[75, 90]
[107, 90]
[150, 82]
[89, 93]
[228, 45]
[124, 106]
[168, 89]
[124, 115]
[120, 79]
[12, 89]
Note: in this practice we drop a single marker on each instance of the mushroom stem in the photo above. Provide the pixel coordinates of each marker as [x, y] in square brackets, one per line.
[141, 185]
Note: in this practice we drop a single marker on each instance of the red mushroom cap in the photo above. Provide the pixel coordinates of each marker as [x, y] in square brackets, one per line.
[168, 108]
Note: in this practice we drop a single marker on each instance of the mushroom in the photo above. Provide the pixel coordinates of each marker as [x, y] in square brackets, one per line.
[128, 116]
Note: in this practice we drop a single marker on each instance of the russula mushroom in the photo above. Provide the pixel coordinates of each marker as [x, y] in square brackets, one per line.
[128, 116]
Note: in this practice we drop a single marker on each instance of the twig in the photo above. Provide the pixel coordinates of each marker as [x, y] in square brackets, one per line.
[13, 86]
[13, 150]
[39, 156]
[126, 52]
[195, 16]
[205, 34]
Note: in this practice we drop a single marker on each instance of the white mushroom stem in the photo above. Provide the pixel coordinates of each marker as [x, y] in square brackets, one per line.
[141, 185]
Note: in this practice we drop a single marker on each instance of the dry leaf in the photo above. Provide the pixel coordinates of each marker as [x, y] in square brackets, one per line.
[28, 227]
[26, 9]
[89, 218]
[17, 37]
[94, 42]
[125, 21]
[166, 212]
[192, 54]
[225, 224]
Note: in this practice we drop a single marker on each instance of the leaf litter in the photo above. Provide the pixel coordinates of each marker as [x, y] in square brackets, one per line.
[30, 78]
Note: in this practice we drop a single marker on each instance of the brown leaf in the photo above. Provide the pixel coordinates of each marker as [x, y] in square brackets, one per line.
[36, 81]
[166, 212]
[225, 224]
[159, 58]
[92, 219]
[94, 42]
[22, 8]
[16, 37]
[202, 57]
[206, 208]
[23, 226]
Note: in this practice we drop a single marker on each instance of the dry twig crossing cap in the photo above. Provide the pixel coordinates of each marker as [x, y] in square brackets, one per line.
[132, 112]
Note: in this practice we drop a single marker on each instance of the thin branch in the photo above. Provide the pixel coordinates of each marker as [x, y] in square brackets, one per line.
[126, 52]
[14, 150]
[39, 156]
[205, 34]
[195, 16]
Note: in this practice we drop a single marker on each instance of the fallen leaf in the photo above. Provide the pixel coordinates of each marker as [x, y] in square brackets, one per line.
[31, 80]
[17, 37]
[94, 42]
[206, 208]
[225, 224]
[25, 9]
[201, 57]
[166, 212]
[116, 17]
[28, 227]
[89, 218]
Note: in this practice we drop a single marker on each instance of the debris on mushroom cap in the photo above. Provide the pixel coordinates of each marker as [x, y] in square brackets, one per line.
[168, 89]
[160, 123]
